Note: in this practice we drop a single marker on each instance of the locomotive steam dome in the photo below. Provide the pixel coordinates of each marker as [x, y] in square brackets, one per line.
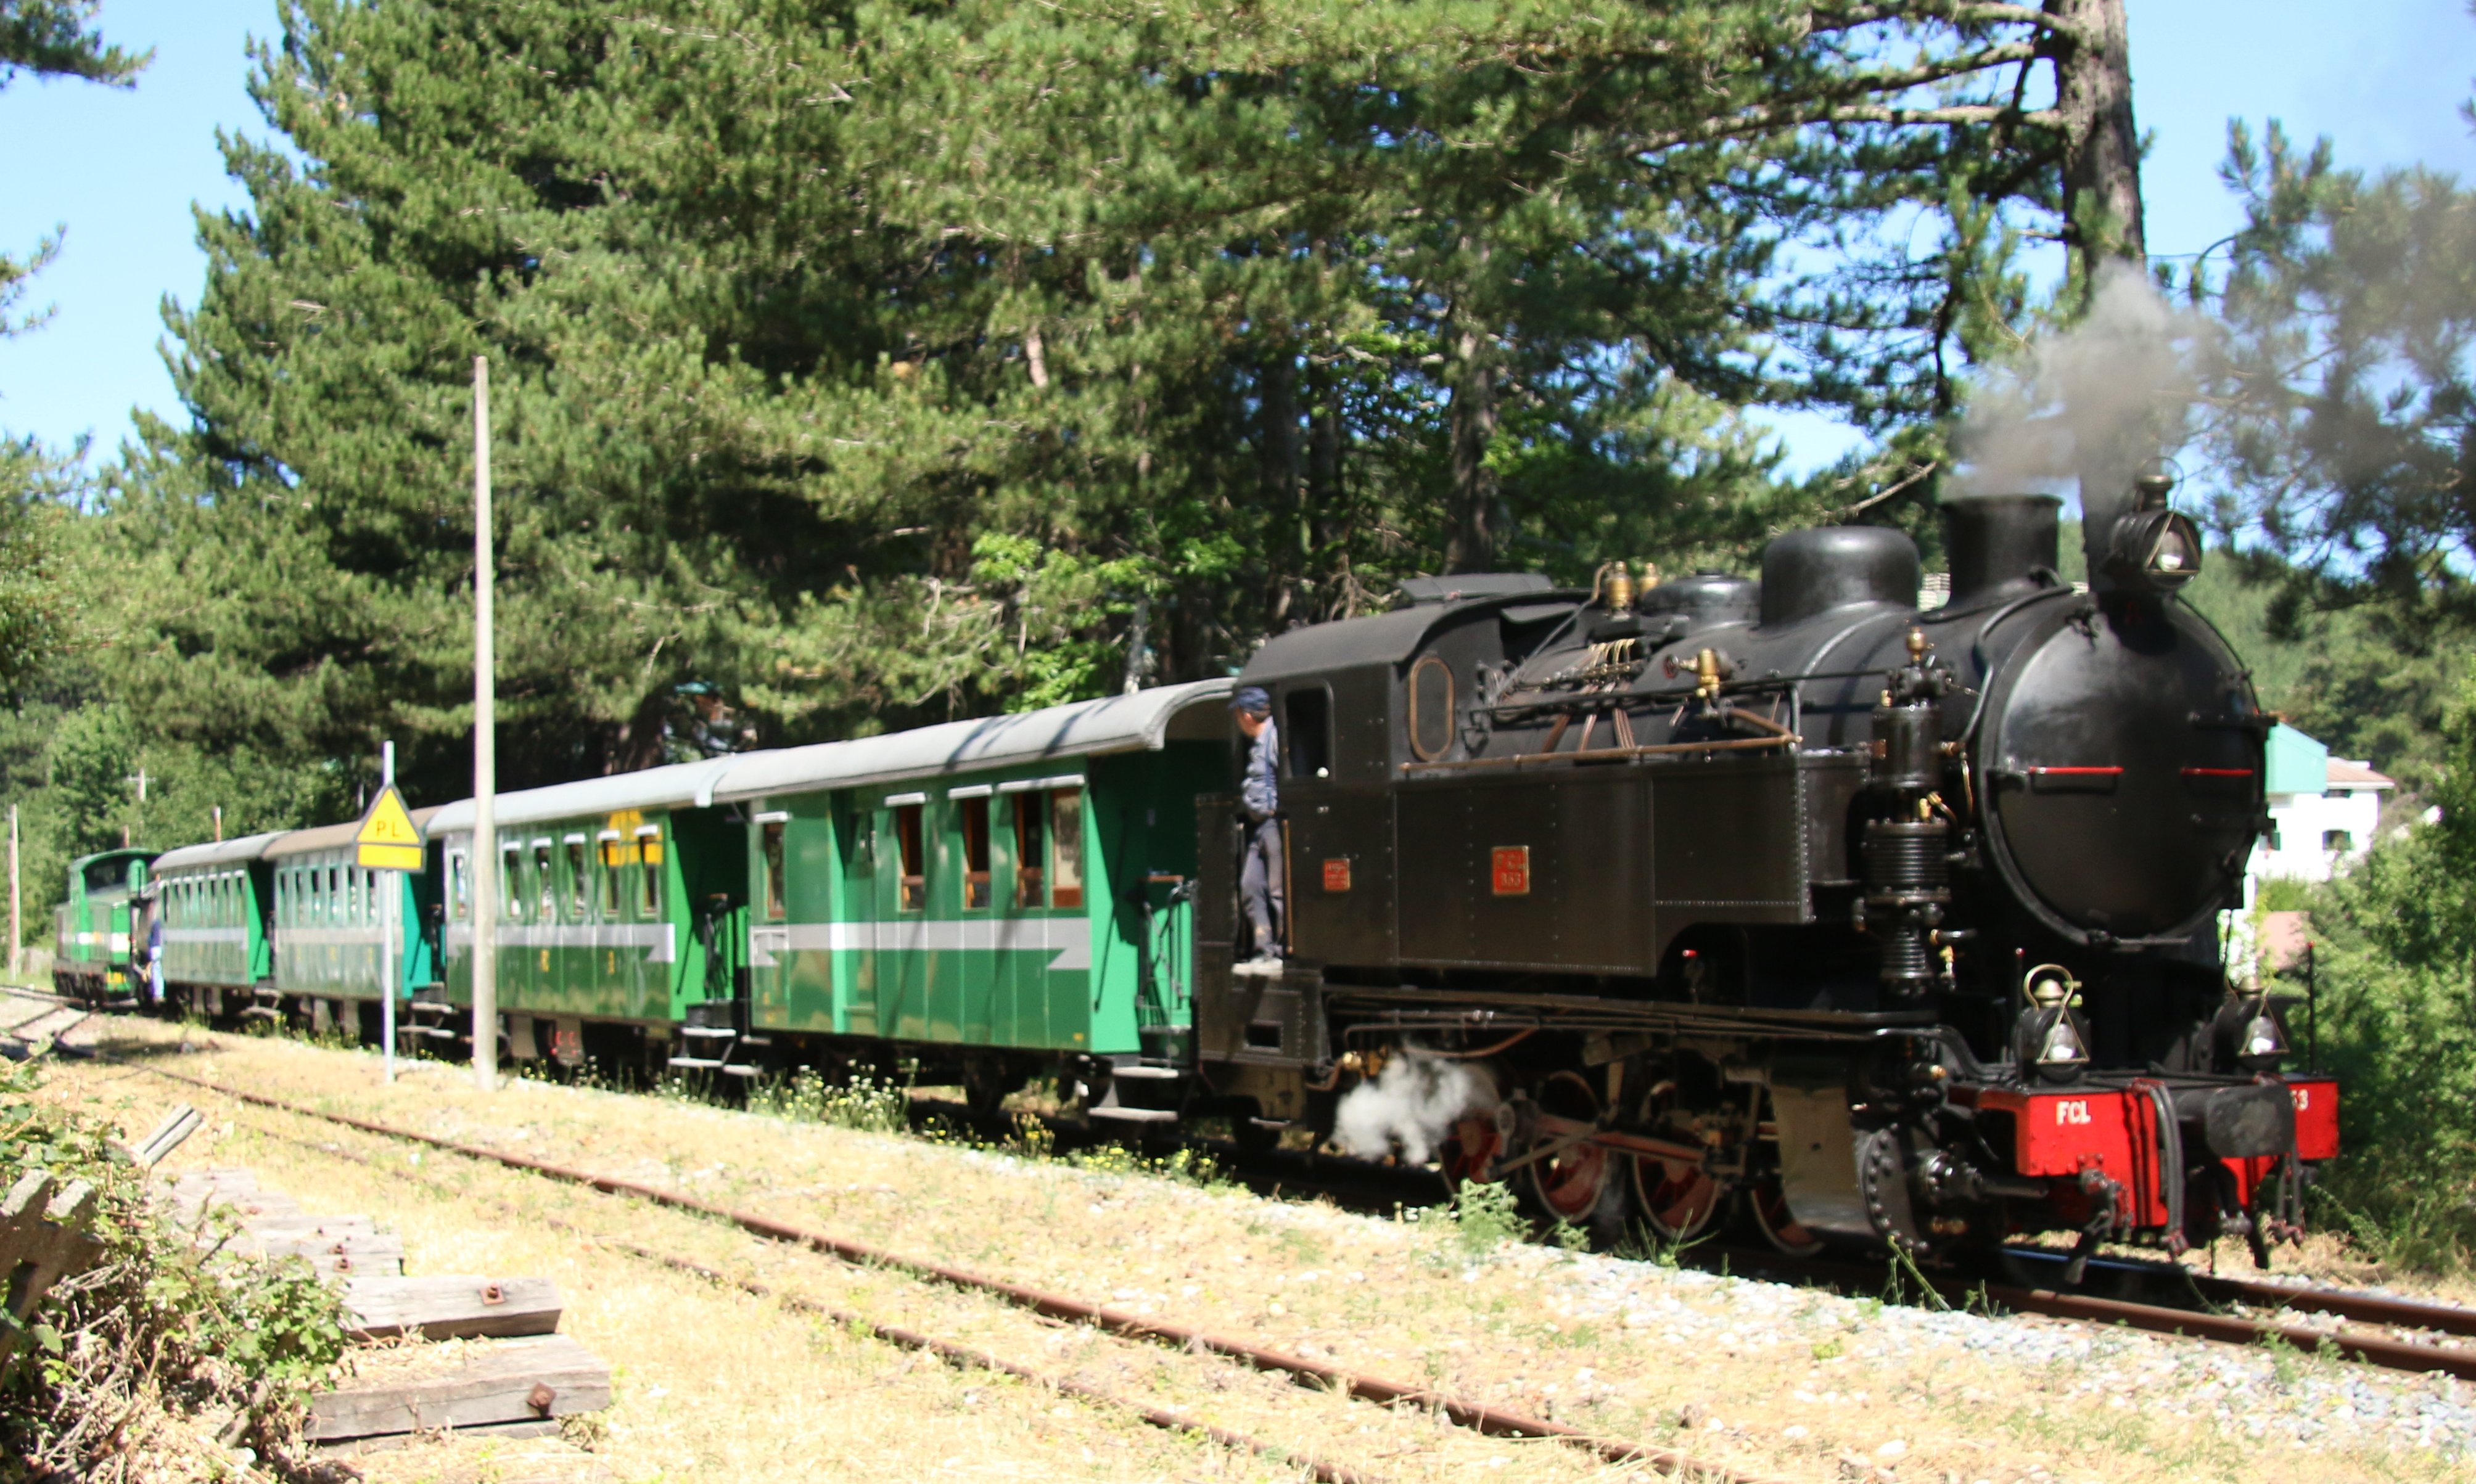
[2120, 755]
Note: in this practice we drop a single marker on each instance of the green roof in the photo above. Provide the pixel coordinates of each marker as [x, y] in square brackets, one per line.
[2298, 764]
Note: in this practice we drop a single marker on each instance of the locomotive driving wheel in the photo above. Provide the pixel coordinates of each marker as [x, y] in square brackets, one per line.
[1571, 1181]
[1677, 1197]
[1768, 1206]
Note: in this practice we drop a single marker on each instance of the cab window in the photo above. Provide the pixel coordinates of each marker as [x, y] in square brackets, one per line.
[1306, 731]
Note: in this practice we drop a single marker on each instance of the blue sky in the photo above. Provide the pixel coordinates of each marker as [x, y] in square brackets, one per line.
[2384, 78]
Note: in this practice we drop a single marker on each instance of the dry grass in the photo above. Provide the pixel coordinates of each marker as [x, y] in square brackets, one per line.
[712, 1384]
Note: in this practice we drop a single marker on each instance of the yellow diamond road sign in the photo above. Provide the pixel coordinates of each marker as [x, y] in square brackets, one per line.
[388, 840]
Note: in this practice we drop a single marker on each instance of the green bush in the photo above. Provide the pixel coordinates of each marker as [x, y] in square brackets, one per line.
[2395, 976]
[129, 1359]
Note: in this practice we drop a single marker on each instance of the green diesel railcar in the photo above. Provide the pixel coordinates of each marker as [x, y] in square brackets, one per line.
[619, 903]
[93, 928]
[214, 900]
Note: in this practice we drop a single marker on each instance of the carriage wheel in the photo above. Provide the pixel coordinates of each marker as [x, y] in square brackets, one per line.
[1569, 1183]
[1767, 1204]
[989, 1078]
[1677, 1197]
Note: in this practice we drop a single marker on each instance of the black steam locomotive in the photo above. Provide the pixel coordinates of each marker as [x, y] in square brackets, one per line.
[1890, 924]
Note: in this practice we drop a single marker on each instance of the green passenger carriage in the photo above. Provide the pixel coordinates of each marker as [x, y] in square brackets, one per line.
[986, 901]
[619, 905]
[213, 899]
[326, 916]
[995, 895]
[94, 928]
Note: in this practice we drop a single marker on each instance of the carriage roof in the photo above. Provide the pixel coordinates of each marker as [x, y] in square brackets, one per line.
[219, 852]
[1147, 720]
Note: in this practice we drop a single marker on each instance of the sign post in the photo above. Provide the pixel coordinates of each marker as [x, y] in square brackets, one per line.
[388, 844]
[484, 864]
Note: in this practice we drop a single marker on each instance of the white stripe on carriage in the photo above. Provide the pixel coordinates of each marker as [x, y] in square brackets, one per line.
[1069, 939]
[206, 934]
[662, 938]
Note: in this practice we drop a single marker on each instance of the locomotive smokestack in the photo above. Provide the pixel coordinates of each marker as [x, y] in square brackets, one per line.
[1997, 545]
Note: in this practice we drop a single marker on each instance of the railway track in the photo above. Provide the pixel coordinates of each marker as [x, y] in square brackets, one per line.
[1356, 1385]
[2156, 1296]
[2372, 1329]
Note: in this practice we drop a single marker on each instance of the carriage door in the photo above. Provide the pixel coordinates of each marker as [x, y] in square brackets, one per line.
[769, 935]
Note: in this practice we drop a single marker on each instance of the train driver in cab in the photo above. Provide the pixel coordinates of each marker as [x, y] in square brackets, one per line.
[1259, 881]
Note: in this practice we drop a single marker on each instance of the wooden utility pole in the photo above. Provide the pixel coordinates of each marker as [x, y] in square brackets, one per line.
[484, 907]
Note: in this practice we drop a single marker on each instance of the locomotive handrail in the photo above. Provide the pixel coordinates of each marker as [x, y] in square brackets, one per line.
[1604, 754]
[1599, 698]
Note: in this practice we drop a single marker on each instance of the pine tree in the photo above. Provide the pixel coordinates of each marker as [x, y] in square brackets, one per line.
[860, 366]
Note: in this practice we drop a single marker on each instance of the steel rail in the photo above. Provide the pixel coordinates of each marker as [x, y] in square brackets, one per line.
[2376, 1350]
[2372, 1349]
[2339, 1302]
[1477, 1416]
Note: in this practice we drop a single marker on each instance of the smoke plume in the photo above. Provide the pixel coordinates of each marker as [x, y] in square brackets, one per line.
[2091, 405]
[1414, 1103]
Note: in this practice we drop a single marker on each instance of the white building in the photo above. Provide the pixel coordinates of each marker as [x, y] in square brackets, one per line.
[2323, 811]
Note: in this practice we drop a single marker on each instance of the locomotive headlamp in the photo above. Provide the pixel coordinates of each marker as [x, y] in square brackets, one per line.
[2157, 550]
[2262, 1036]
[2061, 1046]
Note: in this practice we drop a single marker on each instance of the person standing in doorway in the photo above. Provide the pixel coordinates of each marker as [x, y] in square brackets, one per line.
[154, 950]
[1259, 881]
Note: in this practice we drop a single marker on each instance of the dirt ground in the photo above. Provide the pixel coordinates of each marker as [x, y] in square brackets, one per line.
[712, 1384]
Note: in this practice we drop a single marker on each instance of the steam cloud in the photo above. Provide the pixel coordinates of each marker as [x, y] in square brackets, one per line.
[1414, 1101]
[2092, 404]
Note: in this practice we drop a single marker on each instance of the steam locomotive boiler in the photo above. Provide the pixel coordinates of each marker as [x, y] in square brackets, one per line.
[1889, 926]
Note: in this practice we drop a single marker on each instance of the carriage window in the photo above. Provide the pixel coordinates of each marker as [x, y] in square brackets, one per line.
[578, 883]
[614, 858]
[915, 864]
[1030, 850]
[1307, 730]
[545, 886]
[459, 887]
[857, 834]
[648, 876]
[975, 852]
[335, 894]
[1431, 708]
[1066, 848]
[771, 838]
